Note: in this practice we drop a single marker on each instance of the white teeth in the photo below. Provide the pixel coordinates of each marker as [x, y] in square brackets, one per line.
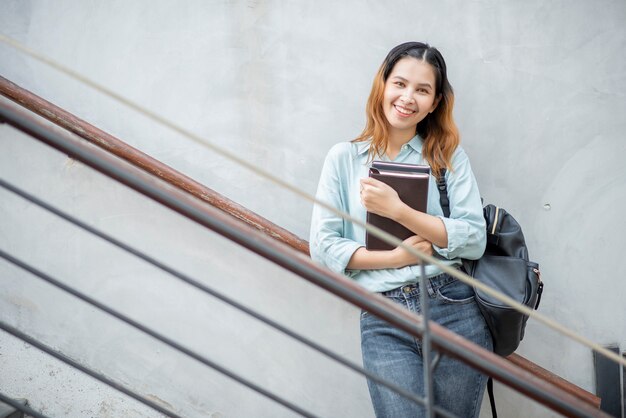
[404, 111]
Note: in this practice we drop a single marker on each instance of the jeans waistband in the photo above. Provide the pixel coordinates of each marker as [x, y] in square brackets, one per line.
[432, 284]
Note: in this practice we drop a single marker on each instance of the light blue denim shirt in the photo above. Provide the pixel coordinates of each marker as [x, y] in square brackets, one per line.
[334, 240]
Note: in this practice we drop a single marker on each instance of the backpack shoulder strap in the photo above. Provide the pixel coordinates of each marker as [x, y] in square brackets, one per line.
[443, 193]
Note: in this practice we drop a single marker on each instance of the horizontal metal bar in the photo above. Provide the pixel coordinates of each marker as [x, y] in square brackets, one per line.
[218, 295]
[555, 380]
[24, 408]
[283, 255]
[96, 375]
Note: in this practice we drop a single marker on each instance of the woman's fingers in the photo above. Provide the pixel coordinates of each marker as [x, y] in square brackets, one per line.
[378, 197]
[420, 244]
[406, 257]
[412, 240]
[371, 182]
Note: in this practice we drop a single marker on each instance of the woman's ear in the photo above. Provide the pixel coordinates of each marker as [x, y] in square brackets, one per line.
[435, 103]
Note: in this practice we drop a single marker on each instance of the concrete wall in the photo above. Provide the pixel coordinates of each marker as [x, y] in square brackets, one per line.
[541, 89]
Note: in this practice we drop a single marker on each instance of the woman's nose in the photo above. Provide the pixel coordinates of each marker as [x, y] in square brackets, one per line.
[407, 97]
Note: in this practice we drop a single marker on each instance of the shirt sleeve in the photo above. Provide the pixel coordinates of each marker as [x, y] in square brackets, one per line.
[466, 224]
[327, 242]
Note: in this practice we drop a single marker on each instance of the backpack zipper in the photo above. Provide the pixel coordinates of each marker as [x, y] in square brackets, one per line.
[495, 221]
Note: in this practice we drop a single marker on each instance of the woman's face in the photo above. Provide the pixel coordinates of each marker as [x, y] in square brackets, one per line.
[409, 95]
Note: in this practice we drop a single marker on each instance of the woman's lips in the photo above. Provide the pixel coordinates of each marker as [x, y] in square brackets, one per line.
[403, 111]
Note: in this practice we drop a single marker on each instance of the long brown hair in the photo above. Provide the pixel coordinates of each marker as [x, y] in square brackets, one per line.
[437, 129]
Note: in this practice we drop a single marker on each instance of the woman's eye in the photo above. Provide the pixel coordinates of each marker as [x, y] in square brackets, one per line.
[399, 84]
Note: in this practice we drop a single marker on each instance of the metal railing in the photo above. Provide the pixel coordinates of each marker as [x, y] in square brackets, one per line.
[122, 150]
[282, 254]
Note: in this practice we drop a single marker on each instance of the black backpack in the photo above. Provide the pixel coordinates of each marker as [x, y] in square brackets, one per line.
[506, 268]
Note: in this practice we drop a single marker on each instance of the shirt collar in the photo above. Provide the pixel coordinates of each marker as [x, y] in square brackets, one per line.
[415, 143]
[363, 147]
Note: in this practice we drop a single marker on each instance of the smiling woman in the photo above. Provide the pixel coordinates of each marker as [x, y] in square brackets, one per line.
[408, 98]
[409, 120]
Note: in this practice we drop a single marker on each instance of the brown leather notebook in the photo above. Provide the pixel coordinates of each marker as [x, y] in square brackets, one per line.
[411, 182]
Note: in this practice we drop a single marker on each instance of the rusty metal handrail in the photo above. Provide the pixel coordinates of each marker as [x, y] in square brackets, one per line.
[282, 254]
[119, 148]
[151, 165]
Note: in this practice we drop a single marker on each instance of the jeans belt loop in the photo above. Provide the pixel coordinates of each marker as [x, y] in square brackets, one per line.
[430, 286]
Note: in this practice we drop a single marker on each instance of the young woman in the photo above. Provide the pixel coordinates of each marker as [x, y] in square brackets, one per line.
[409, 120]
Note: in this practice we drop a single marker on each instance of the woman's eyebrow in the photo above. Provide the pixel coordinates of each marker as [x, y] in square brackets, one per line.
[400, 78]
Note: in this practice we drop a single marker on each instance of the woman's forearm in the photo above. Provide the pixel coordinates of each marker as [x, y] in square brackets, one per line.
[363, 259]
[427, 226]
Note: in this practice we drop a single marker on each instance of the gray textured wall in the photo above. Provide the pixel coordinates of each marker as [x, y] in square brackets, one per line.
[541, 89]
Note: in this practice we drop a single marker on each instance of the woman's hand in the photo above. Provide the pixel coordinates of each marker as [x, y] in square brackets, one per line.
[403, 258]
[380, 198]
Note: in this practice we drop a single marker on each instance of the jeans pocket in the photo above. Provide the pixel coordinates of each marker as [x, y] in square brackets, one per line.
[456, 292]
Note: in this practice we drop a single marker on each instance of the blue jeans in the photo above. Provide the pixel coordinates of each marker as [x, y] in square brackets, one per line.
[397, 357]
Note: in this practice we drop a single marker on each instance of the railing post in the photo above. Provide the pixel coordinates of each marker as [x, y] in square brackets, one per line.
[426, 345]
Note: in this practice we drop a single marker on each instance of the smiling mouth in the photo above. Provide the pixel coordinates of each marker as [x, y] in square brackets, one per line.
[403, 110]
